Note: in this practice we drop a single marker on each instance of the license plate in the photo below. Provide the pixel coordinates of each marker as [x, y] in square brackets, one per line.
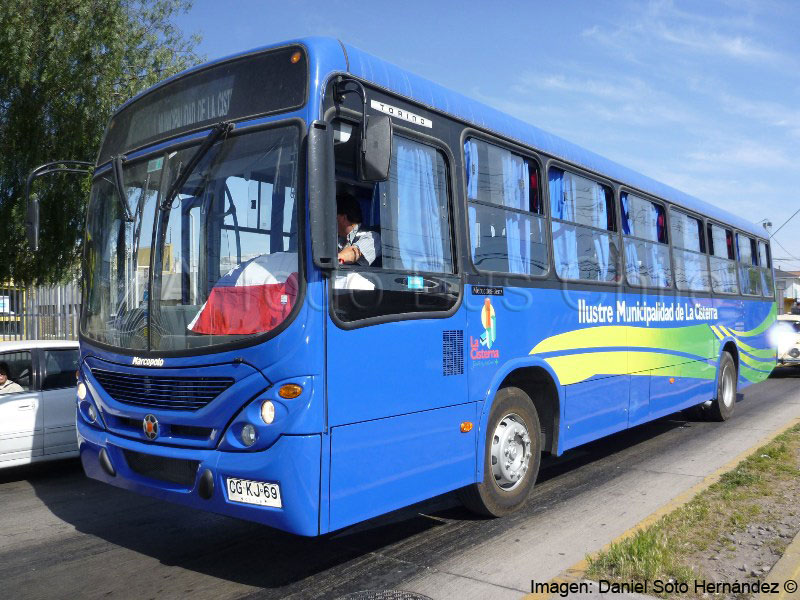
[254, 492]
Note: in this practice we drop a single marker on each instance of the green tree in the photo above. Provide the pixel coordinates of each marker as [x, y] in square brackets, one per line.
[64, 67]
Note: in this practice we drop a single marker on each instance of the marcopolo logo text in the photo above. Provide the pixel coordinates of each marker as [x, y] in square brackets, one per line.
[147, 362]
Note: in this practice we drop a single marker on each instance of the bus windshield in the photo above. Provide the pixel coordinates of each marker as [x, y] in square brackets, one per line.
[217, 264]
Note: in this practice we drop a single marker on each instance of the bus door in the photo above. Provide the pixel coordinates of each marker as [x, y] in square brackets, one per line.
[396, 385]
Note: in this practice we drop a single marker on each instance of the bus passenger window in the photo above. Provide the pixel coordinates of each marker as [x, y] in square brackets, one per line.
[644, 228]
[583, 215]
[506, 215]
[723, 265]
[749, 273]
[765, 265]
[688, 250]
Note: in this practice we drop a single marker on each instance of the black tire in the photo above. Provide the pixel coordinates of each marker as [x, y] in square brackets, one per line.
[723, 405]
[489, 498]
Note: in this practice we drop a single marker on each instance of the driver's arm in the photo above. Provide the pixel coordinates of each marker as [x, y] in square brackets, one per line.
[349, 255]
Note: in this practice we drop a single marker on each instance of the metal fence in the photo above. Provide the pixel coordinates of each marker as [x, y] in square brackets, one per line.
[39, 312]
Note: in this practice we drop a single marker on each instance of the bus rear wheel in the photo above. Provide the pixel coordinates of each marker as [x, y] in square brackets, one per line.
[511, 457]
[722, 408]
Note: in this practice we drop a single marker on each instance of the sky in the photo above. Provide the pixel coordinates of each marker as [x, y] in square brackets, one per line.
[703, 95]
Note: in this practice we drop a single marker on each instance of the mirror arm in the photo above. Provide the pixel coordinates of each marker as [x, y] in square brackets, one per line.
[339, 90]
[32, 209]
[69, 166]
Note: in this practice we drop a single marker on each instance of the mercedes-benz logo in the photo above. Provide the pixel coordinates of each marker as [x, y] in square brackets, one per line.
[150, 427]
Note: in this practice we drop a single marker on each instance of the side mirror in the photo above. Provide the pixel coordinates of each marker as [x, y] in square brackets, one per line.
[322, 195]
[32, 222]
[32, 201]
[376, 150]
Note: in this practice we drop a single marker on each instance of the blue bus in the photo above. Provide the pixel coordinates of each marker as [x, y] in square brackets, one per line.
[320, 288]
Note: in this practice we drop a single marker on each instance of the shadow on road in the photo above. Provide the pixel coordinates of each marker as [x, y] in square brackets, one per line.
[786, 371]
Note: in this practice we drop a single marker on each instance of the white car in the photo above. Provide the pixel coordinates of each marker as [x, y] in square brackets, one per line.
[38, 423]
[787, 334]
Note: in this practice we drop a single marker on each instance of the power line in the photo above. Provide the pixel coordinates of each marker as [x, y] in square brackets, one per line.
[785, 250]
[784, 223]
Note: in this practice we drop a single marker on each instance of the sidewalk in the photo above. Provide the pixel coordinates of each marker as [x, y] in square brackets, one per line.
[786, 570]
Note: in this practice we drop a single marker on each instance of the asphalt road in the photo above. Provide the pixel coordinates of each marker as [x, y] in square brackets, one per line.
[65, 536]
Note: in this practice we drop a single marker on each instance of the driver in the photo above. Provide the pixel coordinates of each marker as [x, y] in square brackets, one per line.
[6, 385]
[356, 245]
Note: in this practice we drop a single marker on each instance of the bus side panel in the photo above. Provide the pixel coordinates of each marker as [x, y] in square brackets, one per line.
[595, 408]
[669, 391]
[639, 404]
[382, 465]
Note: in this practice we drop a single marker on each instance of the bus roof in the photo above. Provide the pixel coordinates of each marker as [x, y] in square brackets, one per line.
[394, 78]
[335, 56]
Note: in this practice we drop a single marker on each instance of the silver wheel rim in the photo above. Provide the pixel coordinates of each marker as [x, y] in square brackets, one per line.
[728, 386]
[511, 452]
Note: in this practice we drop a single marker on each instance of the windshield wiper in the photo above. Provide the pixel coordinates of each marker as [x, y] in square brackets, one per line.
[120, 187]
[220, 129]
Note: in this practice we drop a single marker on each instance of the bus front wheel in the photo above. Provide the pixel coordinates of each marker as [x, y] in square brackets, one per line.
[511, 457]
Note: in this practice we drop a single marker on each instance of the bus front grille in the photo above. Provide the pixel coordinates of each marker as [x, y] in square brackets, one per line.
[161, 468]
[161, 392]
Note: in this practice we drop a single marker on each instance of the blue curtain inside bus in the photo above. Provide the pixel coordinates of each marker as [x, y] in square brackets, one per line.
[420, 230]
[471, 159]
[516, 194]
[565, 247]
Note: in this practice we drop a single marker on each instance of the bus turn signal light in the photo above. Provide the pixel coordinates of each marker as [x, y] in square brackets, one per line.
[466, 426]
[296, 57]
[290, 390]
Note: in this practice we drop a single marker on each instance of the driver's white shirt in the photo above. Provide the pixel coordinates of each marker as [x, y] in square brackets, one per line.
[9, 387]
[367, 242]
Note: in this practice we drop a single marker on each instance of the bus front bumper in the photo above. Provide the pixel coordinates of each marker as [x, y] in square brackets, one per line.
[199, 478]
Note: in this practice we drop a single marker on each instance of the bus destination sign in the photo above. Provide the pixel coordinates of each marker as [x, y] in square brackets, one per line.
[248, 86]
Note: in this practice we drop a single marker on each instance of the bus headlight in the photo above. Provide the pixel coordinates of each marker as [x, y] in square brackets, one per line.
[268, 411]
[82, 391]
[249, 435]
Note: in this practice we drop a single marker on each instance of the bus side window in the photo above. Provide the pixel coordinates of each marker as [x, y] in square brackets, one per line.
[765, 266]
[688, 251]
[583, 211]
[411, 213]
[749, 273]
[644, 229]
[723, 267]
[506, 216]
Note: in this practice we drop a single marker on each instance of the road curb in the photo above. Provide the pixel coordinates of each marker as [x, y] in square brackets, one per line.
[577, 572]
[786, 569]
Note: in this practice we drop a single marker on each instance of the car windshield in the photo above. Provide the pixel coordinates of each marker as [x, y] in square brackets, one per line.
[217, 265]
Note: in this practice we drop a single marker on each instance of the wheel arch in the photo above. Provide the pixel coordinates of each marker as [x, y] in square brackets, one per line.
[731, 348]
[537, 379]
